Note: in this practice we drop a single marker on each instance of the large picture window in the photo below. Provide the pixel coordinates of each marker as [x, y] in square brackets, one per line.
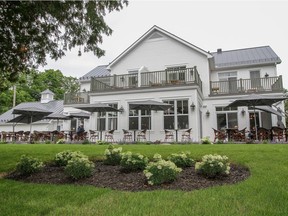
[226, 117]
[139, 119]
[176, 115]
[107, 120]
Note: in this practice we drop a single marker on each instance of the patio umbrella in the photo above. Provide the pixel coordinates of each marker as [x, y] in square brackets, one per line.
[150, 105]
[57, 116]
[31, 114]
[97, 107]
[254, 100]
[269, 110]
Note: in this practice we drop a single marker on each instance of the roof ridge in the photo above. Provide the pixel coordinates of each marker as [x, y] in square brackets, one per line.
[242, 49]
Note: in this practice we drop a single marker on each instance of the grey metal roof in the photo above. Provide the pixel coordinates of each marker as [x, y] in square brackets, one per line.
[55, 106]
[245, 57]
[96, 72]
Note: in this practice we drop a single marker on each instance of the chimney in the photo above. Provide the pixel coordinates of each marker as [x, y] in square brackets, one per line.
[219, 51]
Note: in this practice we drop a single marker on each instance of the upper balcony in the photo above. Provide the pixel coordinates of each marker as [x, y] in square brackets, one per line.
[246, 86]
[187, 76]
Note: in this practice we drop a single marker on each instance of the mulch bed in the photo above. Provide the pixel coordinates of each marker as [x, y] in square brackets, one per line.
[113, 177]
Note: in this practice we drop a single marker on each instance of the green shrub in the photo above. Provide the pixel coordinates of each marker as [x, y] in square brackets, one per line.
[133, 161]
[101, 142]
[157, 157]
[213, 165]
[85, 141]
[28, 165]
[78, 168]
[182, 159]
[161, 172]
[63, 157]
[112, 155]
[206, 140]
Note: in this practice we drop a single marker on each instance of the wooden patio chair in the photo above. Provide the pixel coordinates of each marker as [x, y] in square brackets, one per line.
[278, 134]
[127, 135]
[169, 135]
[219, 135]
[263, 134]
[94, 135]
[109, 136]
[186, 135]
[141, 136]
[239, 135]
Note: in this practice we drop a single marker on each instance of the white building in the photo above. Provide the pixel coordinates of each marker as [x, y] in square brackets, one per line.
[163, 67]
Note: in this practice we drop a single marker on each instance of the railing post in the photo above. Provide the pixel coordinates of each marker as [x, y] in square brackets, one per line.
[241, 85]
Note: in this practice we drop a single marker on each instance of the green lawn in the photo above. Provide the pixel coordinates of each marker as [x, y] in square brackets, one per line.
[264, 193]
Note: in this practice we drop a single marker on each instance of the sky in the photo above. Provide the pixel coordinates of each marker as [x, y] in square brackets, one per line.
[207, 24]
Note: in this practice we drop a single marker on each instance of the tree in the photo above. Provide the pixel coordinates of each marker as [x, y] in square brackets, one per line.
[29, 87]
[31, 30]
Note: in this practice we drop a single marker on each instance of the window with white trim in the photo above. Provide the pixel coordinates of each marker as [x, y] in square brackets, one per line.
[226, 117]
[139, 119]
[107, 120]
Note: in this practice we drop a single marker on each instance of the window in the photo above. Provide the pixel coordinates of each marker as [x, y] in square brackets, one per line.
[133, 77]
[255, 79]
[107, 120]
[139, 119]
[228, 82]
[176, 115]
[226, 117]
[176, 73]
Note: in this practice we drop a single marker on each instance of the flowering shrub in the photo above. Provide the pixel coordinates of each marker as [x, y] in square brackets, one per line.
[133, 161]
[63, 157]
[101, 142]
[157, 157]
[112, 155]
[213, 165]
[161, 171]
[182, 159]
[78, 168]
[28, 165]
[206, 140]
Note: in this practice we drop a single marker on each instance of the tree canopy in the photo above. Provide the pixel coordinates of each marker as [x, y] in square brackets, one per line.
[29, 87]
[32, 30]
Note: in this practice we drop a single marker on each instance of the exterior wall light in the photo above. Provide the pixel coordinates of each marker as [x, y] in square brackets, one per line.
[192, 106]
[207, 113]
[121, 109]
[243, 112]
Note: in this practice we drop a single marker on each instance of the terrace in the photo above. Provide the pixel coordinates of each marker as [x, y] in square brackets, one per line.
[154, 79]
[246, 86]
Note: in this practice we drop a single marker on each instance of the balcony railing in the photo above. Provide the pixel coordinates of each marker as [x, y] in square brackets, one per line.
[76, 98]
[246, 86]
[187, 76]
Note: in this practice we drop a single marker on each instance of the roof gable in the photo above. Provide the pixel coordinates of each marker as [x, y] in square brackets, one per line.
[155, 33]
[98, 71]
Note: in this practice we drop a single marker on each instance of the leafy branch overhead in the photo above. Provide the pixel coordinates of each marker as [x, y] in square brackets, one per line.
[32, 30]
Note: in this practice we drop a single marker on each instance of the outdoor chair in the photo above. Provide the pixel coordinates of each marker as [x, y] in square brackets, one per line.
[239, 135]
[94, 135]
[109, 136]
[186, 135]
[169, 135]
[127, 135]
[219, 135]
[278, 134]
[141, 136]
[81, 136]
[19, 135]
[263, 134]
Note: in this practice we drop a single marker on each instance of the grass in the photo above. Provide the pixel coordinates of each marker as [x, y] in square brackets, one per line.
[264, 193]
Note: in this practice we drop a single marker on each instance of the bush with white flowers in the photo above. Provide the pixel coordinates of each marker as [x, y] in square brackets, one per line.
[182, 159]
[133, 161]
[160, 172]
[28, 165]
[213, 165]
[112, 155]
[157, 157]
[78, 168]
[63, 157]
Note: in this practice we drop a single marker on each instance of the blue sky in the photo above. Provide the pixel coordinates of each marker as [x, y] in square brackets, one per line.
[207, 24]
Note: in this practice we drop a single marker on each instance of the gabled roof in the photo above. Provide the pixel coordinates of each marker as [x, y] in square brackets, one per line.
[47, 91]
[55, 106]
[164, 32]
[98, 71]
[244, 57]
